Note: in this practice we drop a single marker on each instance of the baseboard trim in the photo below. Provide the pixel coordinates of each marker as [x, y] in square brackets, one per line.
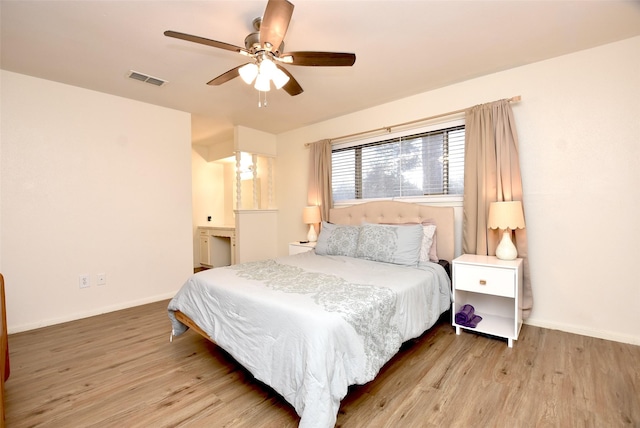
[81, 315]
[569, 328]
[600, 334]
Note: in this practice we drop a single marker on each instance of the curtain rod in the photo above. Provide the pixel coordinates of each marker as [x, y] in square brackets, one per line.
[424, 119]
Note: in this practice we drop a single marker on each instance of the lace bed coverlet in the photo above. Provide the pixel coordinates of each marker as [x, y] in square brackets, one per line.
[309, 326]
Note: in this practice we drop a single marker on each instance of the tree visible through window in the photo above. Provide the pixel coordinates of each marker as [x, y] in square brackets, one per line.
[421, 164]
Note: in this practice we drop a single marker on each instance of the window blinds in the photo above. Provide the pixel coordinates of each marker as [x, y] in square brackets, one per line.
[424, 163]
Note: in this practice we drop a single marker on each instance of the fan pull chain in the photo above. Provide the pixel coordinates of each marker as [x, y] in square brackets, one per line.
[260, 102]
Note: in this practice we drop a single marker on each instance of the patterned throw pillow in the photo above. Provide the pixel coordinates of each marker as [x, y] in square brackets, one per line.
[337, 240]
[390, 244]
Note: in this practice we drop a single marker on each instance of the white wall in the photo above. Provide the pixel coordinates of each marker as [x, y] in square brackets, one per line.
[254, 141]
[208, 194]
[91, 183]
[229, 205]
[578, 123]
[219, 151]
[256, 229]
[256, 235]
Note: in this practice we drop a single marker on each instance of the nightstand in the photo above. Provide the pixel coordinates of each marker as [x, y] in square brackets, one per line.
[298, 247]
[494, 288]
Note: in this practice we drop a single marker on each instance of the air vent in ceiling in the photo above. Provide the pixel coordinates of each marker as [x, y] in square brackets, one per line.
[147, 79]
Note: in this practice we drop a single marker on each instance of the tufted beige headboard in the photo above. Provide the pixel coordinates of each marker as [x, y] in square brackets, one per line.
[402, 212]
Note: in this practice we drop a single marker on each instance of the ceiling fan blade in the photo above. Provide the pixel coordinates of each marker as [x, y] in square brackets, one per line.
[321, 59]
[225, 77]
[275, 22]
[292, 87]
[203, 41]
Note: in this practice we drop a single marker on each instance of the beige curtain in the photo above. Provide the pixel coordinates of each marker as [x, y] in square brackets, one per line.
[319, 192]
[492, 173]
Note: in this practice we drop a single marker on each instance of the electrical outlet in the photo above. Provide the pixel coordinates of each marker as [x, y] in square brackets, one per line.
[84, 281]
[101, 279]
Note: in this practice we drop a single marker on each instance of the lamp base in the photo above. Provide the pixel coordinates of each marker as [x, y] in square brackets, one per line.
[312, 236]
[506, 250]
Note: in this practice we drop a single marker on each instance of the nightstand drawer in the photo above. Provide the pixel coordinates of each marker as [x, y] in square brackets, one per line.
[488, 280]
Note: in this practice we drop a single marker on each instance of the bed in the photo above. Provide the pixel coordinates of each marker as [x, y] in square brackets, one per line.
[312, 324]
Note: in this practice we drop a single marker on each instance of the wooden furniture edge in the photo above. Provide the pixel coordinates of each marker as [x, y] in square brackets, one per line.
[191, 324]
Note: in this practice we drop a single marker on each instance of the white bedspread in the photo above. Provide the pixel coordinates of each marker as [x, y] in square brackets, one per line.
[309, 326]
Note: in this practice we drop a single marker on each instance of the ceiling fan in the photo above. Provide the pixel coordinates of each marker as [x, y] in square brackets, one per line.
[265, 47]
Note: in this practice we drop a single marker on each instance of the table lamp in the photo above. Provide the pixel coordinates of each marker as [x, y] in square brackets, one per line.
[507, 216]
[311, 216]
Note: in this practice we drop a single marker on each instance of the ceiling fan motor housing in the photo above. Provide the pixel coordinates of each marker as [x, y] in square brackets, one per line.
[252, 44]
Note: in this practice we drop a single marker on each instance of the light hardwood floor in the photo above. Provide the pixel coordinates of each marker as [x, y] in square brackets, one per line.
[119, 370]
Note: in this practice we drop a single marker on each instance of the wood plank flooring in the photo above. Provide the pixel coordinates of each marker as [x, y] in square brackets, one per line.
[119, 370]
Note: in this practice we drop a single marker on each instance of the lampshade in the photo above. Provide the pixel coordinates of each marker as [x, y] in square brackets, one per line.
[248, 72]
[262, 83]
[279, 78]
[311, 216]
[267, 67]
[507, 216]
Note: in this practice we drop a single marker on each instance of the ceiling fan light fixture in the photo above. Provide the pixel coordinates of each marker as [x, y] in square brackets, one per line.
[262, 83]
[248, 72]
[279, 78]
[267, 68]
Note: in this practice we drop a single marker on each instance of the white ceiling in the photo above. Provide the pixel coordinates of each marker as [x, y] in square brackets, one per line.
[402, 48]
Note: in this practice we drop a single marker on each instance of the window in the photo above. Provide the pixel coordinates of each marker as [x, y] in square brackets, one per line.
[422, 163]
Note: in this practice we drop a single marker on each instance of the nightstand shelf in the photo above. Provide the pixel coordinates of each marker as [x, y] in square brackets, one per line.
[494, 288]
